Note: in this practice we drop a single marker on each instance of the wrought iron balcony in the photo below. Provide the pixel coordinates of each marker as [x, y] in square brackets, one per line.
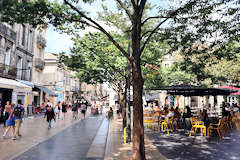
[39, 63]
[7, 71]
[41, 41]
[8, 32]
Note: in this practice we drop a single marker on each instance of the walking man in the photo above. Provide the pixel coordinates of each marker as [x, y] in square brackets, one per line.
[18, 112]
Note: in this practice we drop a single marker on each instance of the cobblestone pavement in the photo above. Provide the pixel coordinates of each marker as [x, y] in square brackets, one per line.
[182, 147]
[37, 140]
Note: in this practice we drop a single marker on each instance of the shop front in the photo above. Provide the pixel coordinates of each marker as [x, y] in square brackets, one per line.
[12, 90]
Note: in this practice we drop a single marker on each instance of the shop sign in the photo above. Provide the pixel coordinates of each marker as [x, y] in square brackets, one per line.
[14, 98]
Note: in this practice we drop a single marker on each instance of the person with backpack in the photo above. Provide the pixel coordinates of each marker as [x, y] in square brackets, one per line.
[18, 112]
[50, 115]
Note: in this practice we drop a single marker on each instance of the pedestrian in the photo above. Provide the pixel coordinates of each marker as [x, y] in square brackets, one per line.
[83, 110]
[57, 110]
[110, 113]
[64, 109]
[75, 110]
[50, 115]
[6, 112]
[10, 123]
[18, 112]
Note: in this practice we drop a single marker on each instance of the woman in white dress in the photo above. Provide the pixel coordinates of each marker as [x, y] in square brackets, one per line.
[57, 110]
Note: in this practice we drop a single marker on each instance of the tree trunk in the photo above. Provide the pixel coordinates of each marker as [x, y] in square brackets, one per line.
[122, 102]
[138, 128]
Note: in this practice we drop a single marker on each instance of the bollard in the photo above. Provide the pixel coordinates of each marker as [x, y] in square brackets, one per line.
[125, 135]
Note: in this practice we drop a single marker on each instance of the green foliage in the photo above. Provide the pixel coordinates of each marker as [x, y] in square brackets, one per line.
[217, 66]
[96, 60]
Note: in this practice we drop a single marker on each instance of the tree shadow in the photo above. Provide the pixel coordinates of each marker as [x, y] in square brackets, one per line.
[179, 146]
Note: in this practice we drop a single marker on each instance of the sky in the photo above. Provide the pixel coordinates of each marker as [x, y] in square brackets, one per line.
[57, 42]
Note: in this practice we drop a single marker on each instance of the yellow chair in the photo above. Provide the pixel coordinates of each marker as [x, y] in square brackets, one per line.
[198, 125]
[160, 124]
[193, 120]
[149, 119]
[165, 123]
[218, 127]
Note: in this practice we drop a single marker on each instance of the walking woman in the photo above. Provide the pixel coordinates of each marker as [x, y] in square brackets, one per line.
[50, 115]
[10, 123]
[57, 110]
[64, 109]
[6, 112]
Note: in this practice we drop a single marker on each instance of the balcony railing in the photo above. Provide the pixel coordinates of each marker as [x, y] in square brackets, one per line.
[41, 41]
[7, 71]
[5, 30]
[39, 63]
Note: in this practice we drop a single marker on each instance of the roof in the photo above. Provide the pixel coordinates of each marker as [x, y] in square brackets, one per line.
[50, 56]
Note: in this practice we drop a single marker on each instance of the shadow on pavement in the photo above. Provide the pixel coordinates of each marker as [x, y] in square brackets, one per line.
[180, 146]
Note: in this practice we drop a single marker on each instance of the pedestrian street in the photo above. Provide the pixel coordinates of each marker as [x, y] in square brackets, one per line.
[67, 138]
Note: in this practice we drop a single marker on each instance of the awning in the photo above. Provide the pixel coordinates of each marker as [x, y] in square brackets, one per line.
[59, 89]
[13, 84]
[46, 90]
[232, 89]
[188, 90]
[30, 84]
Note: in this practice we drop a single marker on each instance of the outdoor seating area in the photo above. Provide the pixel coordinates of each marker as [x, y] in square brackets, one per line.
[172, 120]
[217, 138]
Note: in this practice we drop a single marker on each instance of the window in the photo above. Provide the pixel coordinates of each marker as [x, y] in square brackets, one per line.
[37, 76]
[166, 65]
[7, 56]
[39, 53]
[23, 34]
[19, 67]
[28, 70]
[1, 41]
[30, 40]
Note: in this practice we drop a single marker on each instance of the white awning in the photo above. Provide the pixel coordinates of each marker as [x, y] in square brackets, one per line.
[13, 84]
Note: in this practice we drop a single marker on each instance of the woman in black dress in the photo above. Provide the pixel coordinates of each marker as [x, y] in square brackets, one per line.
[64, 109]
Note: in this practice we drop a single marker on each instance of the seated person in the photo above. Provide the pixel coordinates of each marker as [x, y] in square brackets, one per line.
[187, 113]
[177, 114]
[204, 117]
[157, 109]
[168, 114]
